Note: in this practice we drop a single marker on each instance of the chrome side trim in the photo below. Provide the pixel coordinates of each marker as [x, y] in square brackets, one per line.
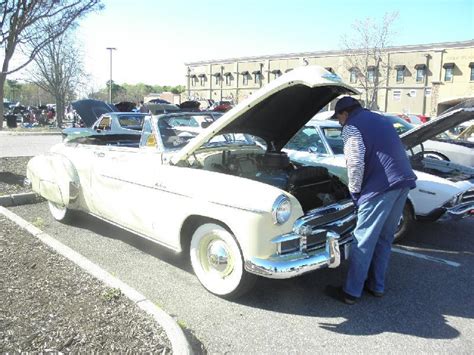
[159, 187]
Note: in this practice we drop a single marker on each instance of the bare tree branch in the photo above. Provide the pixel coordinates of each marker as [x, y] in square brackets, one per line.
[27, 26]
[367, 52]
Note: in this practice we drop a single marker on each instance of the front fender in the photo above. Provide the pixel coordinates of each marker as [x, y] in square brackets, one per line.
[54, 177]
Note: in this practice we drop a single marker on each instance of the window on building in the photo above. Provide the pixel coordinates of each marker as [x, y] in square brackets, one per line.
[202, 79]
[448, 71]
[420, 72]
[193, 80]
[397, 94]
[420, 75]
[400, 73]
[245, 78]
[218, 78]
[257, 77]
[276, 73]
[471, 66]
[371, 74]
[428, 92]
[353, 75]
[228, 78]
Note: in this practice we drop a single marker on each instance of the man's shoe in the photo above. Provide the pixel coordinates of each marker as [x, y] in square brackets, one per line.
[372, 292]
[338, 294]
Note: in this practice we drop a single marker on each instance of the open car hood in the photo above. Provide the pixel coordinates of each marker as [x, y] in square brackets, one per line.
[278, 110]
[90, 110]
[448, 119]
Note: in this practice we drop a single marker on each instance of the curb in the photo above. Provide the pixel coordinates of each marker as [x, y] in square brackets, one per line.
[5, 133]
[20, 199]
[179, 343]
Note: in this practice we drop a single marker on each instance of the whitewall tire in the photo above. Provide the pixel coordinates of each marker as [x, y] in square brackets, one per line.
[217, 261]
[59, 213]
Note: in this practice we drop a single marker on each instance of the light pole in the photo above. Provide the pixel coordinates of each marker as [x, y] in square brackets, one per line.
[110, 82]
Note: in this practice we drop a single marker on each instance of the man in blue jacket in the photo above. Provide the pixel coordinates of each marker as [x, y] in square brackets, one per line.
[380, 177]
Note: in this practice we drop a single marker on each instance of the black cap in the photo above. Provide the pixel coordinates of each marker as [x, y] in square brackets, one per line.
[345, 102]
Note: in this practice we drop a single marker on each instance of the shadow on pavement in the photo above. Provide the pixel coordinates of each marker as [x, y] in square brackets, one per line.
[95, 225]
[419, 298]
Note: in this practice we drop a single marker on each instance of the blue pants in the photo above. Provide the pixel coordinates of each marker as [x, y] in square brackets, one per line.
[377, 221]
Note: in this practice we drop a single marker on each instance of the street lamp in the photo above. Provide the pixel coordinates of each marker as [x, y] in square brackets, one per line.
[110, 82]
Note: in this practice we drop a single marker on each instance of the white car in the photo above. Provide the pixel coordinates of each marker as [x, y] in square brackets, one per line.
[442, 189]
[239, 208]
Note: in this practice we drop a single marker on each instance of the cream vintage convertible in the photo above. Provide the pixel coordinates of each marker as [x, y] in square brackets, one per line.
[229, 196]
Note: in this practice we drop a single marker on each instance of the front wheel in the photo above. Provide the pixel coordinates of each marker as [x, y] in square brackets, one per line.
[405, 224]
[59, 212]
[217, 261]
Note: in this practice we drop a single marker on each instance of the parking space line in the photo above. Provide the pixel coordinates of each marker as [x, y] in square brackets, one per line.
[426, 257]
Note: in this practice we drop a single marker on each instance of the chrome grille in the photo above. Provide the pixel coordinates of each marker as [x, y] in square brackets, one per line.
[467, 196]
[310, 231]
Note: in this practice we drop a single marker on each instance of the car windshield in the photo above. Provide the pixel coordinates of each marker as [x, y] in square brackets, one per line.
[400, 125]
[131, 121]
[334, 138]
[234, 139]
[183, 121]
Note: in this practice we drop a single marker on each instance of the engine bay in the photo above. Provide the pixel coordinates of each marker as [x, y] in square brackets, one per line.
[313, 186]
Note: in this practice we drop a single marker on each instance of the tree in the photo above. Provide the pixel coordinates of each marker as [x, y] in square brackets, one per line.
[367, 54]
[59, 71]
[27, 26]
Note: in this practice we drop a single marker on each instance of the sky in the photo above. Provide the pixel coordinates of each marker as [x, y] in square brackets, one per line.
[155, 38]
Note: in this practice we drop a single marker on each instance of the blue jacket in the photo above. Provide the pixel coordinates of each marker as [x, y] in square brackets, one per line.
[383, 164]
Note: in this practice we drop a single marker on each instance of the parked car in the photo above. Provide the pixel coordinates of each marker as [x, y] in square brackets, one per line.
[89, 110]
[443, 146]
[443, 188]
[111, 124]
[191, 124]
[239, 208]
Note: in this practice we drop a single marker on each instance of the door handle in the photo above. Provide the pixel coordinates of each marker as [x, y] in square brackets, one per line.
[100, 154]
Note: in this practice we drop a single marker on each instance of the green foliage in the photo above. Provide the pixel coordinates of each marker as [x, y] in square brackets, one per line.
[111, 294]
[29, 94]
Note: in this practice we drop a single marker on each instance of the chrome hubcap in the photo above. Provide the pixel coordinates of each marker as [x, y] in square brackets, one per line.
[218, 257]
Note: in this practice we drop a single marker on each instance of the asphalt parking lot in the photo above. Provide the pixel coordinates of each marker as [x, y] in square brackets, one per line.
[428, 306]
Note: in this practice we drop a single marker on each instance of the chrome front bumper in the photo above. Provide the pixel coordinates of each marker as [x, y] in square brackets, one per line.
[319, 239]
[462, 210]
[296, 264]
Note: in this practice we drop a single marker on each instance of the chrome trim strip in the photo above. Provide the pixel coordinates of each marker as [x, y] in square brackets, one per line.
[280, 267]
[462, 210]
[318, 212]
[156, 187]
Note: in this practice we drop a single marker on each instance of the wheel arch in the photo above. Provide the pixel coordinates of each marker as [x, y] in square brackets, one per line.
[189, 226]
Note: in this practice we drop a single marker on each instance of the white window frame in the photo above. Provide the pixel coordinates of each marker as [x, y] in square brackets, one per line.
[397, 95]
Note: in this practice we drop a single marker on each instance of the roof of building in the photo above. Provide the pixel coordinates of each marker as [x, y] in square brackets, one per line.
[393, 49]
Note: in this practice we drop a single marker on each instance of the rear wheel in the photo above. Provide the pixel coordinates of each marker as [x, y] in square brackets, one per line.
[59, 212]
[406, 223]
[218, 263]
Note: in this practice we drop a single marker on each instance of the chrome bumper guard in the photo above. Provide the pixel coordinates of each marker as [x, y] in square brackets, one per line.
[314, 243]
[291, 265]
[462, 210]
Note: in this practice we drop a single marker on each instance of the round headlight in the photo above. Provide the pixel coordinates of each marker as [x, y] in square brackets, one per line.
[281, 209]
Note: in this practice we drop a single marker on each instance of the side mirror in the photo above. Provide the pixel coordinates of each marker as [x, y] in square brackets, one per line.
[205, 124]
[313, 150]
